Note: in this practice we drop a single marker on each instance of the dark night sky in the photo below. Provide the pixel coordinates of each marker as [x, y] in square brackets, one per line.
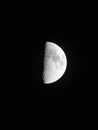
[54, 105]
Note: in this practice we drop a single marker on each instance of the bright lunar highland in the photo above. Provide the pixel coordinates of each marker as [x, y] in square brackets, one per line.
[55, 63]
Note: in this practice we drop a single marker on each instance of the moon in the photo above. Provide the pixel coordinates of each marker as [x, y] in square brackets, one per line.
[55, 63]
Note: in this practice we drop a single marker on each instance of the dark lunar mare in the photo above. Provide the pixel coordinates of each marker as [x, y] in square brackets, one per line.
[52, 54]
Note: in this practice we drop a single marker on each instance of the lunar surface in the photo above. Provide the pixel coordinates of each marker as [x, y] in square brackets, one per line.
[55, 63]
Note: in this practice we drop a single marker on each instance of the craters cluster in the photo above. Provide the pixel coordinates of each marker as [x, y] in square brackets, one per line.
[56, 58]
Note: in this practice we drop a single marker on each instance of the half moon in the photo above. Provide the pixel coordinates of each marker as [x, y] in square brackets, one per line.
[55, 63]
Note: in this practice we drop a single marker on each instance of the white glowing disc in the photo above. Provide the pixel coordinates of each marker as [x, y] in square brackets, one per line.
[55, 63]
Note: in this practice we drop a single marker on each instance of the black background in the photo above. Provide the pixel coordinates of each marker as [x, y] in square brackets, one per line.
[24, 97]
